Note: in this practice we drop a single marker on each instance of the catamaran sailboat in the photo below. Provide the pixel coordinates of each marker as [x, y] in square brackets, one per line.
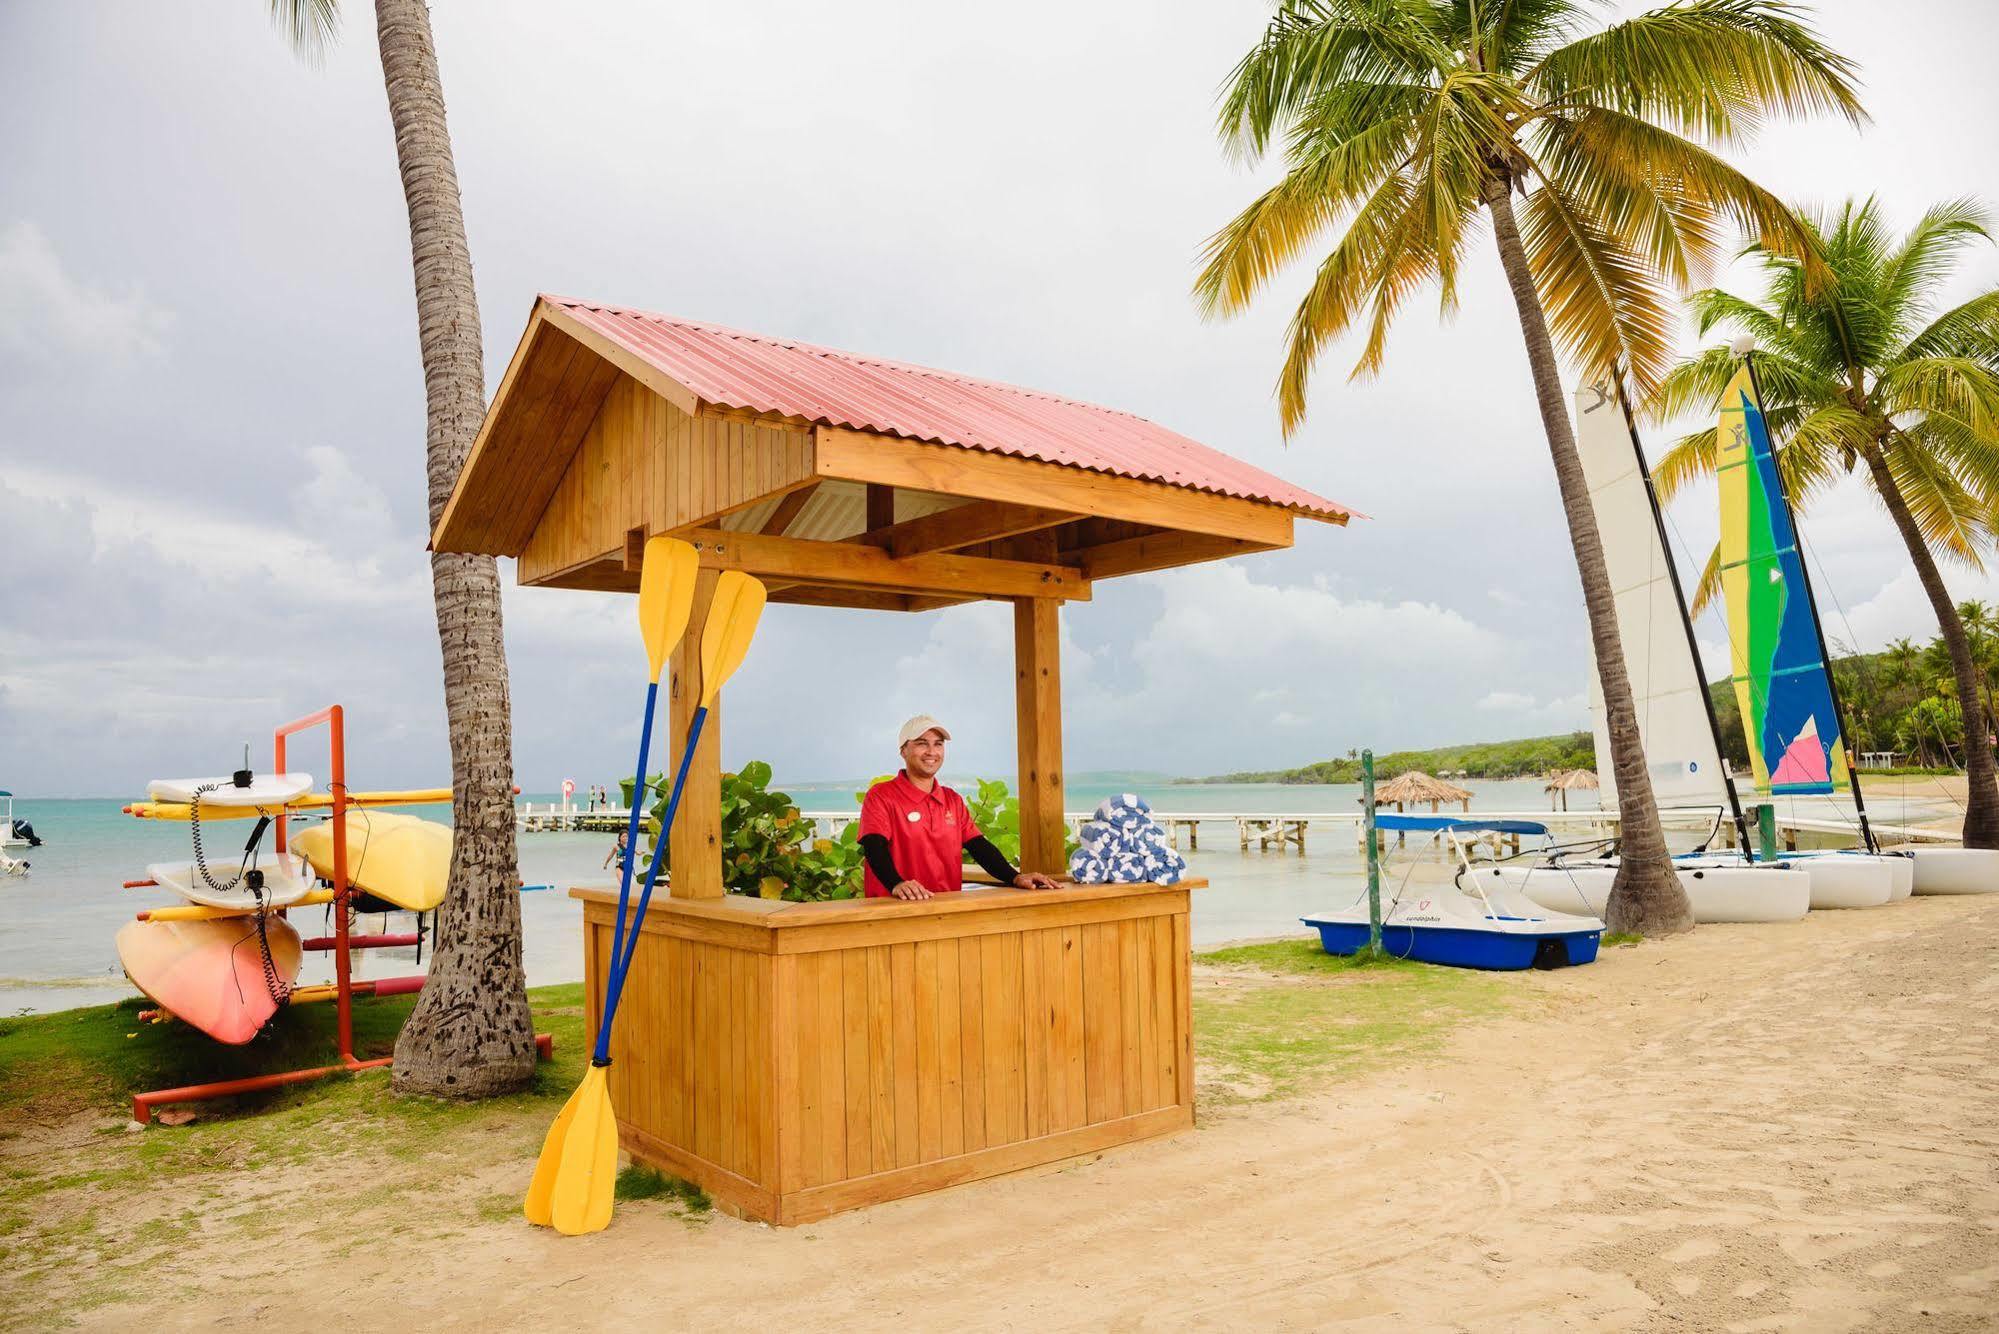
[1675, 716]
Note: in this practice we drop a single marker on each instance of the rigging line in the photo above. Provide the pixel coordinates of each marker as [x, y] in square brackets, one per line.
[1859, 659]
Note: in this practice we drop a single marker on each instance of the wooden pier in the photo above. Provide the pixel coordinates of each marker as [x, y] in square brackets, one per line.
[553, 818]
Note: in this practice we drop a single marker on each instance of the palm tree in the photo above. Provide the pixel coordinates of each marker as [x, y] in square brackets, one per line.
[1408, 121]
[471, 1034]
[1860, 373]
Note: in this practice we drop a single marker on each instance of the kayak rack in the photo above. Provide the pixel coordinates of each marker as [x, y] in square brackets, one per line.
[344, 990]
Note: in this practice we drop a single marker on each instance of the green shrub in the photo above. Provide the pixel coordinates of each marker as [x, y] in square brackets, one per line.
[768, 848]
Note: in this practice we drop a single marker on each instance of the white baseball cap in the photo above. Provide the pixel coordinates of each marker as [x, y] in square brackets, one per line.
[916, 727]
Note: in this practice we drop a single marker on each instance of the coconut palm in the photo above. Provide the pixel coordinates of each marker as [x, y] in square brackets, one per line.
[471, 1034]
[1407, 123]
[1861, 373]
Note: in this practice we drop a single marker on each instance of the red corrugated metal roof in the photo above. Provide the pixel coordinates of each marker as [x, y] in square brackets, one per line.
[744, 370]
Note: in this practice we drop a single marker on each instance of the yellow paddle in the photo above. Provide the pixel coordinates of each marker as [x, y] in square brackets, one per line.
[666, 599]
[585, 1180]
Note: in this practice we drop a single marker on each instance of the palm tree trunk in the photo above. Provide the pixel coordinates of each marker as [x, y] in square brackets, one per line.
[1981, 805]
[471, 1034]
[1646, 897]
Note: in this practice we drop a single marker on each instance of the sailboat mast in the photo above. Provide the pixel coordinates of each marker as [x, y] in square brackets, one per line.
[1818, 625]
[1686, 621]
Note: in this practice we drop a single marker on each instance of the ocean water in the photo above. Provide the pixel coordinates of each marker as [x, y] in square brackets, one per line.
[58, 921]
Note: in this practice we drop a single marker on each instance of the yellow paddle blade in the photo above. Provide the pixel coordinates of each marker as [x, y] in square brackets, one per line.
[732, 622]
[540, 1205]
[666, 596]
[588, 1174]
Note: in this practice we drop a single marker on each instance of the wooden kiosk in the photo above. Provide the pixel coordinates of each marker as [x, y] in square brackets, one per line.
[800, 1059]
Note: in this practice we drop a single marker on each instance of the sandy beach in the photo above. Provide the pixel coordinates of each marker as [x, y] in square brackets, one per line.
[1749, 1128]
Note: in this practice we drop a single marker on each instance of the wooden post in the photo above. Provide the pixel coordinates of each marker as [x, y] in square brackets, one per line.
[1037, 674]
[696, 848]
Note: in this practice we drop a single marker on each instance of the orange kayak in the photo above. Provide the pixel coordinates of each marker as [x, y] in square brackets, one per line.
[210, 973]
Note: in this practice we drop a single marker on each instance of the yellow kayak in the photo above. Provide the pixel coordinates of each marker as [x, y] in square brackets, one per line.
[308, 801]
[398, 858]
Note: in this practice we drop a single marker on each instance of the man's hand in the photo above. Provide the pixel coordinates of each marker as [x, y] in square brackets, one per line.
[910, 890]
[1033, 880]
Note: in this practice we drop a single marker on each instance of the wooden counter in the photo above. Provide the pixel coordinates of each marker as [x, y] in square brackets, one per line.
[797, 1059]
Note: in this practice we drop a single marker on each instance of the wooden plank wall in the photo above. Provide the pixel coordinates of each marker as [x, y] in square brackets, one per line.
[645, 463]
[712, 1000]
[918, 1052]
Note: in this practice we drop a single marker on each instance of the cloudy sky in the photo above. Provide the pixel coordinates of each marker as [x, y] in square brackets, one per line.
[211, 408]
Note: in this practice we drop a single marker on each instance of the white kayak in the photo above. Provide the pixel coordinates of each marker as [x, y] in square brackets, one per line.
[1718, 893]
[267, 790]
[1955, 870]
[283, 883]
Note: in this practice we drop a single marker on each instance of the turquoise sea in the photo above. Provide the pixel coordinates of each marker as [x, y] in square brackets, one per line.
[58, 921]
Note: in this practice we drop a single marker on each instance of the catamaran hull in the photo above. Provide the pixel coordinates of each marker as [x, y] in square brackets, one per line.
[1717, 893]
[1845, 879]
[1956, 870]
[1457, 947]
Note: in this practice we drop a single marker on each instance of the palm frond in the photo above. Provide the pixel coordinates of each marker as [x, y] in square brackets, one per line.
[1821, 446]
[1312, 45]
[1692, 455]
[1959, 390]
[1706, 67]
[1969, 329]
[1708, 587]
[1912, 273]
[1950, 517]
[1700, 185]
[1344, 281]
[309, 26]
[1314, 195]
[1605, 309]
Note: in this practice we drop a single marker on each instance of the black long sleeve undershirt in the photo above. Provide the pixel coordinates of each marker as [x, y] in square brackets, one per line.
[874, 847]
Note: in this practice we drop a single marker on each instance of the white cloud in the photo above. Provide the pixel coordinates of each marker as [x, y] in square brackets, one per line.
[46, 314]
[1507, 701]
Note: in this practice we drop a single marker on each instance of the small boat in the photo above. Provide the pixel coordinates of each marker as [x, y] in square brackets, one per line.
[1722, 891]
[16, 833]
[1840, 878]
[1468, 922]
[12, 865]
[1955, 870]
[212, 973]
[401, 860]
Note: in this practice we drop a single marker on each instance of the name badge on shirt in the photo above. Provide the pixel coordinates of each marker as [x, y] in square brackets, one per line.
[914, 816]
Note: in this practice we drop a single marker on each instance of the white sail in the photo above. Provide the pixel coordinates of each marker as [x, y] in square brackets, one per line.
[1666, 685]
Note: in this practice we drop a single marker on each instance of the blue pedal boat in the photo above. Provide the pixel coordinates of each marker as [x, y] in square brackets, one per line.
[1463, 923]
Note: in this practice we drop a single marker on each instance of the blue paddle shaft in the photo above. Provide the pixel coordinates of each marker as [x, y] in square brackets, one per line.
[621, 965]
[632, 828]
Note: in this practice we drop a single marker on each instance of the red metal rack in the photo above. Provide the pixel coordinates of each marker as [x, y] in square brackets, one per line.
[342, 943]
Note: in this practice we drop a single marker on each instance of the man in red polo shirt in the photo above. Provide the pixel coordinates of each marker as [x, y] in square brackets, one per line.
[915, 832]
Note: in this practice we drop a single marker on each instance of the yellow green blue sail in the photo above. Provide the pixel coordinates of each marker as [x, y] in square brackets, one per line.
[1775, 658]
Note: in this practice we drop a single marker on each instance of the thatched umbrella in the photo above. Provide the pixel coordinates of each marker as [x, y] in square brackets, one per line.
[1564, 781]
[1415, 786]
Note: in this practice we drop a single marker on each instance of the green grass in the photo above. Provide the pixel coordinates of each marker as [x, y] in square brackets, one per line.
[640, 1182]
[1339, 1017]
[1612, 939]
[89, 1216]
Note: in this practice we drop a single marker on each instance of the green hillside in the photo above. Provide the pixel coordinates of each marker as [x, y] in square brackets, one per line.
[1479, 759]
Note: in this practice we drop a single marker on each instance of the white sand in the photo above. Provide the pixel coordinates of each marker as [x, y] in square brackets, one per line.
[1768, 1127]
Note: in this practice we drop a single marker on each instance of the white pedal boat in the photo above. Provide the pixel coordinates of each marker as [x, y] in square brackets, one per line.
[1955, 870]
[1728, 892]
[267, 791]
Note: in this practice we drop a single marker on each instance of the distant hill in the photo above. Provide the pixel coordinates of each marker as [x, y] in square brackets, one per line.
[1479, 759]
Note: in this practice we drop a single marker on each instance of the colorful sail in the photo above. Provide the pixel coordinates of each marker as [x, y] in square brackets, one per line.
[1779, 670]
[1682, 752]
